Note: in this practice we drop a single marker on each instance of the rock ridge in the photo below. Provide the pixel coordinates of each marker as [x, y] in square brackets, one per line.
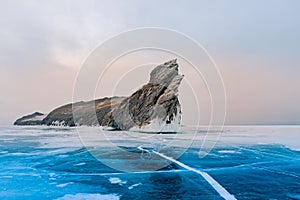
[154, 106]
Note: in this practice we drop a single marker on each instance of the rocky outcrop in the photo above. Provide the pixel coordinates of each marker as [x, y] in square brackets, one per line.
[85, 112]
[32, 119]
[156, 103]
[154, 106]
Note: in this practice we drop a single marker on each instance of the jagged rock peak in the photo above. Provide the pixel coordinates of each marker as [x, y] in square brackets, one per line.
[155, 106]
[165, 73]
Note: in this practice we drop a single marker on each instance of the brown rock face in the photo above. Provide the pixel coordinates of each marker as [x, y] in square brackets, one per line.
[85, 113]
[156, 101]
[32, 119]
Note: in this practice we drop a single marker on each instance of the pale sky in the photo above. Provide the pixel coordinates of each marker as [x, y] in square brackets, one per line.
[254, 43]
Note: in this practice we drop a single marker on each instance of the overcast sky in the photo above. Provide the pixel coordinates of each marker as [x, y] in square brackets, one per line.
[256, 45]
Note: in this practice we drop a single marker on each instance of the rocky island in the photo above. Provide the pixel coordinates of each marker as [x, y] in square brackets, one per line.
[154, 106]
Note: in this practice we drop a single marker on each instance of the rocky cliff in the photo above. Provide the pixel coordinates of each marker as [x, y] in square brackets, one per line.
[32, 119]
[154, 106]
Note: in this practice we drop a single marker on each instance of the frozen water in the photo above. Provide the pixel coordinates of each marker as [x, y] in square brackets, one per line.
[89, 197]
[250, 162]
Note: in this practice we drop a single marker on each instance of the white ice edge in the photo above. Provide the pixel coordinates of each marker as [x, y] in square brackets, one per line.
[159, 125]
[220, 189]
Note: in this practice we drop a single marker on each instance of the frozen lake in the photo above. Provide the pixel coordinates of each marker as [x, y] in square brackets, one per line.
[249, 162]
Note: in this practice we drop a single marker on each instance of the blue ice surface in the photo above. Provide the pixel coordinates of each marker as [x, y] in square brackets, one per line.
[33, 166]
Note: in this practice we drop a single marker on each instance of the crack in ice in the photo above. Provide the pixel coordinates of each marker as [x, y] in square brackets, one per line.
[220, 189]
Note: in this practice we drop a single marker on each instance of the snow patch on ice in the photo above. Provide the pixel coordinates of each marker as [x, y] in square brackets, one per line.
[84, 196]
[80, 164]
[7, 176]
[116, 180]
[63, 184]
[133, 186]
[229, 152]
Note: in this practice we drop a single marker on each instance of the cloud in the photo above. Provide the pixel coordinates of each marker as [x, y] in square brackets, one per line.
[42, 45]
[255, 44]
[57, 32]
